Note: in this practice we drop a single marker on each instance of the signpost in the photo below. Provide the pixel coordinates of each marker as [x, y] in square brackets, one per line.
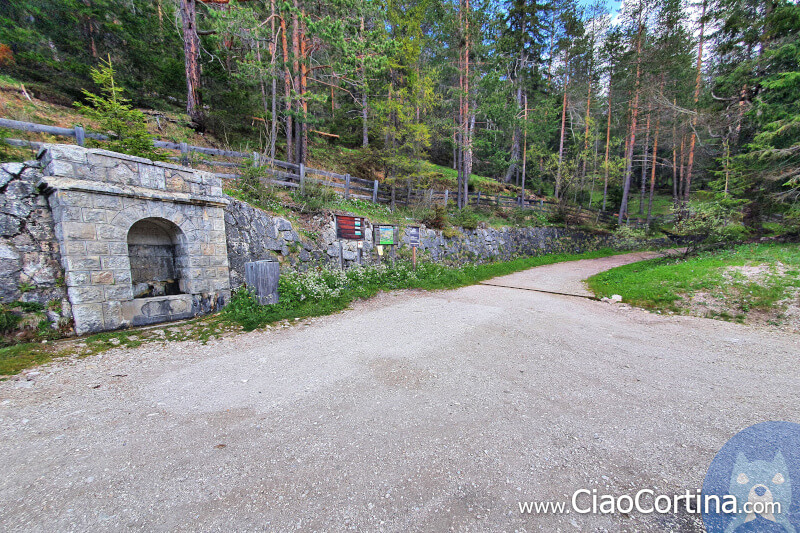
[349, 228]
[412, 232]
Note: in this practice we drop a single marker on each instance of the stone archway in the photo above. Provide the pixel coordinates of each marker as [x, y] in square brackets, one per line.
[158, 254]
[124, 222]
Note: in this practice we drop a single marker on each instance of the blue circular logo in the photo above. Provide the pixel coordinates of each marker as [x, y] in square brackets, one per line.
[753, 483]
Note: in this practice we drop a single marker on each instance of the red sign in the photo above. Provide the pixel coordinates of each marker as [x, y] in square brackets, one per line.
[350, 228]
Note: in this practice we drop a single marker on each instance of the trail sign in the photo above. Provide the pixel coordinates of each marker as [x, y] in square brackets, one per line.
[412, 232]
[350, 228]
[385, 235]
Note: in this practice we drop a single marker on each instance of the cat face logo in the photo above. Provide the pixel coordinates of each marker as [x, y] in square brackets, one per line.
[757, 468]
[766, 488]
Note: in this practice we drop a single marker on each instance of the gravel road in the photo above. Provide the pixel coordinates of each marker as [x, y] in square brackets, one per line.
[412, 411]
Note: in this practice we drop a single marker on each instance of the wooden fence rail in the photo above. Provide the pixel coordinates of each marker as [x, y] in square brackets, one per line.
[297, 176]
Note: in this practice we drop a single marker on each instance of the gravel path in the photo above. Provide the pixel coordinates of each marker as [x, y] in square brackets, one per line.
[413, 411]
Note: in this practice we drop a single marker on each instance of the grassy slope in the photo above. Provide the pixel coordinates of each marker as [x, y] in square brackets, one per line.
[669, 284]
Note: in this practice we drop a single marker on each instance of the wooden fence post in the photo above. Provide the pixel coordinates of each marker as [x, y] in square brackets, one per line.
[446, 197]
[80, 135]
[184, 154]
[478, 202]
[375, 192]
[408, 198]
[256, 159]
[347, 186]
[302, 171]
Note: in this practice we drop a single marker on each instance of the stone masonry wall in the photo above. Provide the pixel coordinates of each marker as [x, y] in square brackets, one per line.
[30, 268]
[254, 235]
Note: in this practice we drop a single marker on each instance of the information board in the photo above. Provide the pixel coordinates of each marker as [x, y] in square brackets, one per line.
[412, 232]
[385, 235]
[349, 228]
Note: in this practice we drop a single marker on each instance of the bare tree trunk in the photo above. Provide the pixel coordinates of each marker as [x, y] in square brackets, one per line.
[468, 138]
[586, 136]
[273, 49]
[674, 156]
[561, 141]
[643, 187]
[287, 82]
[303, 89]
[608, 143]
[697, 84]
[623, 210]
[364, 106]
[524, 151]
[653, 170]
[515, 137]
[191, 51]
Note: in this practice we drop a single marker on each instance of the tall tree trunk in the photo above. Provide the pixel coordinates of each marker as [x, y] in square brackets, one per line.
[287, 84]
[682, 171]
[273, 72]
[698, 81]
[586, 134]
[561, 140]
[608, 144]
[653, 170]
[364, 106]
[623, 210]
[191, 51]
[674, 156]
[524, 151]
[515, 139]
[467, 135]
[304, 88]
[643, 186]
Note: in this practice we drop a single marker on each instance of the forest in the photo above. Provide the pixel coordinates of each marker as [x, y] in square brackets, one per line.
[618, 109]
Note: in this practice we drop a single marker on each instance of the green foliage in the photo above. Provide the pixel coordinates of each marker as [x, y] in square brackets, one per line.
[668, 284]
[324, 291]
[126, 126]
[8, 319]
[465, 218]
[707, 224]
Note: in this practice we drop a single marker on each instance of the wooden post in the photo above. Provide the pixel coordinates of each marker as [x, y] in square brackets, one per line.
[256, 159]
[446, 197]
[408, 199]
[478, 202]
[80, 135]
[347, 186]
[414, 256]
[185, 154]
[375, 192]
[302, 172]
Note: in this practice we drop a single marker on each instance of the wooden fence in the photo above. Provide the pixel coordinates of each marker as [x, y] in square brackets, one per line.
[290, 175]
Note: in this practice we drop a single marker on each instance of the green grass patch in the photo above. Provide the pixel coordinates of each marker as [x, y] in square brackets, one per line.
[14, 359]
[769, 274]
[324, 291]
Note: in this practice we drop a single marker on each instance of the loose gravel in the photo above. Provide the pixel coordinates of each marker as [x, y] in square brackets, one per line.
[412, 411]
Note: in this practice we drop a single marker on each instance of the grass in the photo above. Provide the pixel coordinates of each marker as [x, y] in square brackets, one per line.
[668, 284]
[16, 358]
[324, 292]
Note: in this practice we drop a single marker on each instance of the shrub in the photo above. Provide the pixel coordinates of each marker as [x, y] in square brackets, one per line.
[8, 319]
[126, 126]
[707, 225]
[436, 218]
[467, 218]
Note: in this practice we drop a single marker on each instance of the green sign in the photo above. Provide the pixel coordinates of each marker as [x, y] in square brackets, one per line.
[385, 236]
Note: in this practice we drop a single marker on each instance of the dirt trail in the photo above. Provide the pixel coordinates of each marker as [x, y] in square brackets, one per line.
[566, 278]
[412, 411]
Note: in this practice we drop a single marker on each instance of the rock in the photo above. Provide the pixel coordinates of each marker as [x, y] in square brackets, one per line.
[15, 169]
[281, 224]
[5, 177]
[616, 298]
[9, 225]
